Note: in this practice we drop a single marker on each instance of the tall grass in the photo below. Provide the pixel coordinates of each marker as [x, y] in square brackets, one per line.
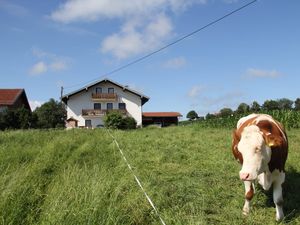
[79, 177]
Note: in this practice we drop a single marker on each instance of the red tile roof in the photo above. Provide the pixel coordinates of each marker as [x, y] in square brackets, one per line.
[161, 114]
[9, 96]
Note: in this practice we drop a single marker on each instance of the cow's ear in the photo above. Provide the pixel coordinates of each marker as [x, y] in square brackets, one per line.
[272, 140]
[235, 136]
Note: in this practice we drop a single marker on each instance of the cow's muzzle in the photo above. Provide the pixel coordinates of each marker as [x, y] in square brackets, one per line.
[245, 176]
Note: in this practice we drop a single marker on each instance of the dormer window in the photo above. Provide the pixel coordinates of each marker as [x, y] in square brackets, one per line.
[98, 90]
[110, 90]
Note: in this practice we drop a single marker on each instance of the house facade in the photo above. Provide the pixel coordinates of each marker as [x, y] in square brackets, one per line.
[13, 99]
[87, 106]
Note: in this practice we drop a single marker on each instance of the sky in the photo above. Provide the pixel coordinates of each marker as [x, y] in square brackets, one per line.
[252, 55]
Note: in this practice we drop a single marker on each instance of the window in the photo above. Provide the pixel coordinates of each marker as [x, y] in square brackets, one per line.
[109, 106]
[110, 90]
[88, 123]
[122, 106]
[98, 90]
[97, 105]
[3, 108]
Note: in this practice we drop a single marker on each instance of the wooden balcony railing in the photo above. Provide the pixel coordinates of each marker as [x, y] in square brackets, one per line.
[104, 96]
[101, 112]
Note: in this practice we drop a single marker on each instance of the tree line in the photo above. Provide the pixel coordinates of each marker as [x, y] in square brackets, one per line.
[51, 114]
[255, 107]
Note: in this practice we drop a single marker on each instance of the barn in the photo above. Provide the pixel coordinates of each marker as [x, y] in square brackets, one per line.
[13, 99]
[161, 119]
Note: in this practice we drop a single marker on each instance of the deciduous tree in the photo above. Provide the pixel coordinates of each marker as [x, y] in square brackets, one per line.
[192, 115]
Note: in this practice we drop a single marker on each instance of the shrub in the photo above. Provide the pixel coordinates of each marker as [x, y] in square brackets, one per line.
[128, 123]
[115, 120]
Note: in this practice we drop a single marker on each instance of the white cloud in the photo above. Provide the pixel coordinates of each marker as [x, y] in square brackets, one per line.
[145, 27]
[13, 9]
[195, 91]
[138, 37]
[206, 99]
[262, 73]
[225, 100]
[34, 104]
[58, 66]
[48, 61]
[92, 10]
[38, 68]
[230, 1]
[175, 63]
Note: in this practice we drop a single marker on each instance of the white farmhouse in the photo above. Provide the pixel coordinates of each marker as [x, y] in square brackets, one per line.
[87, 106]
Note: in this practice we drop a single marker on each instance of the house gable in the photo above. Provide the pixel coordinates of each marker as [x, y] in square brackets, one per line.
[14, 98]
[93, 86]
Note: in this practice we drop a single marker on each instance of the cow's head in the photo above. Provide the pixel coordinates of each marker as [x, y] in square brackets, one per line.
[255, 152]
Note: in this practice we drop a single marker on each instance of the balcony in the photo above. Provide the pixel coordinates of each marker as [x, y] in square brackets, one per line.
[101, 112]
[104, 97]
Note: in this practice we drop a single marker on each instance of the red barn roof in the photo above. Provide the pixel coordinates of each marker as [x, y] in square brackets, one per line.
[12, 97]
[9, 96]
[161, 114]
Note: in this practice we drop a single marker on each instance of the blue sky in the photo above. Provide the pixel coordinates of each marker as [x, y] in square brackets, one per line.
[251, 55]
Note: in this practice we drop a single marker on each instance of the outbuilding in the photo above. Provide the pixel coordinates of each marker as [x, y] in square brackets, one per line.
[13, 99]
[161, 119]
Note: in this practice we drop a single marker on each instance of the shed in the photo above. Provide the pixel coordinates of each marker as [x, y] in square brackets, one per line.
[161, 119]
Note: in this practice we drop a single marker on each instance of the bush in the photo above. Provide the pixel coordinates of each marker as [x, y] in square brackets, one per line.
[128, 123]
[20, 118]
[116, 120]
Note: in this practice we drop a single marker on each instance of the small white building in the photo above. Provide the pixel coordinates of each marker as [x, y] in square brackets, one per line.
[87, 106]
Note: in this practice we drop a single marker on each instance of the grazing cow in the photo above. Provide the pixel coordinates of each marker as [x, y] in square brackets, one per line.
[260, 145]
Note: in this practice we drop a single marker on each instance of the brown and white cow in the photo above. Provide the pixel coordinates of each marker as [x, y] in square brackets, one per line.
[260, 145]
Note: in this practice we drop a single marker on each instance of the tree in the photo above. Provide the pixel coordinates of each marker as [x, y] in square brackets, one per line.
[25, 118]
[20, 118]
[226, 112]
[255, 107]
[243, 108]
[285, 103]
[51, 114]
[270, 105]
[297, 104]
[192, 115]
[210, 116]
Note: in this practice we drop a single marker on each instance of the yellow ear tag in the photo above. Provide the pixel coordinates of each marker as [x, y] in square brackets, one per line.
[270, 144]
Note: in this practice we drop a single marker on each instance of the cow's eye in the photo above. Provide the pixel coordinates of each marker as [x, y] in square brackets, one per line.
[257, 150]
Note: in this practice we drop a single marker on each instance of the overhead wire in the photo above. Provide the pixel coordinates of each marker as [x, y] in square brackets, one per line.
[164, 47]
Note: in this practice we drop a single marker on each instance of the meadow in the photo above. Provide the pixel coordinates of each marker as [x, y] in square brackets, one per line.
[79, 177]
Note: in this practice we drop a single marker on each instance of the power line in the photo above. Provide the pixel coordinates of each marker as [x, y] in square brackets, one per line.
[166, 46]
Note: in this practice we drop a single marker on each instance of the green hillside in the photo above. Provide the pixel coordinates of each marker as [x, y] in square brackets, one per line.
[79, 177]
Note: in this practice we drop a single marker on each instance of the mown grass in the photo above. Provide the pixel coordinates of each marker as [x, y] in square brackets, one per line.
[79, 177]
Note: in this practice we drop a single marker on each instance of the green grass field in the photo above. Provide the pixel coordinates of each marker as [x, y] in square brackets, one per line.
[79, 177]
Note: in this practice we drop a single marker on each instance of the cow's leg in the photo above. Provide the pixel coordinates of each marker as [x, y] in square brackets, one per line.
[249, 192]
[277, 195]
[264, 179]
